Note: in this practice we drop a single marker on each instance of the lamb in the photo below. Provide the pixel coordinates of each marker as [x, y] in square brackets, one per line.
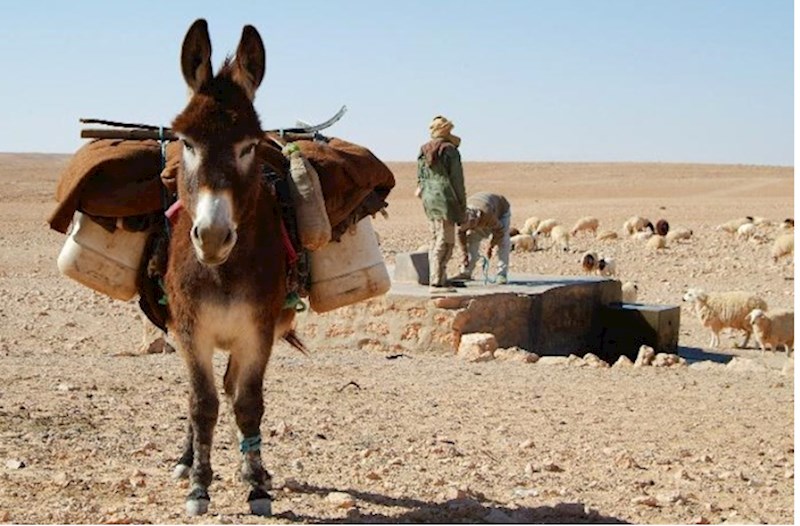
[783, 246]
[773, 329]
[530, 225]
[724, 309]
[523, 242]
[607, 267]
[560, 237]
[587, 223]
[643, 235]
[544, 227]
[606, 235]
[679, 233]
[630, 292]
[746, 231]
[733, 225]
[636, 224]
[657, 242]
[662, 227]
[589, 262]
[787, 223]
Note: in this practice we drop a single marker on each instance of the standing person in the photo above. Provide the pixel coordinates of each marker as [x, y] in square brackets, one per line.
[440, 185]
[487, 215]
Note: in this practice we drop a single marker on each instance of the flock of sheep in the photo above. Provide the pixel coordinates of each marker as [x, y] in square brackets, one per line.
[718, 310]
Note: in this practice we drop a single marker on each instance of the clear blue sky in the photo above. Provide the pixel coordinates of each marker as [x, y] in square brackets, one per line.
[526, 80]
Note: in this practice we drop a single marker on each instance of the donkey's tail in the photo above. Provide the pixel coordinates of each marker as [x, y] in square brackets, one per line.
[294, 340]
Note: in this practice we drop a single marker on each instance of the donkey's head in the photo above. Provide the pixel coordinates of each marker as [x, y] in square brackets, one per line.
[219, 129]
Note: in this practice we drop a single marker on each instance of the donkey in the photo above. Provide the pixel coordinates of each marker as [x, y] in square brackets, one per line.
[226, 276]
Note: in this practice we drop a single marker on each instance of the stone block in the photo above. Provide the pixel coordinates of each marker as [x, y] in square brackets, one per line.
[412, 267]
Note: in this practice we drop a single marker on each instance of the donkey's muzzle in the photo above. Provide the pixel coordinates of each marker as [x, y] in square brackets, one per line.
[213, 243]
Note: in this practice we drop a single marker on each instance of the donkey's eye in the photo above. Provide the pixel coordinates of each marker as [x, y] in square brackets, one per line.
[247, 150]
[188, 146]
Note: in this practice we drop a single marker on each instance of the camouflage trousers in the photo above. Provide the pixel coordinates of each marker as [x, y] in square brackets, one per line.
[443, 239]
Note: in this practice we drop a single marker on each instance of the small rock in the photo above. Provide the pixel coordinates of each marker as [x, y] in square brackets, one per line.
[5, 516]
[297, 464]
[623, 362]
[525, 492]
[339, 499]
[515, 354]
[665, 360]
[552, 467]
[788, 475]
[552, 360]
[526, 444]
[15, 464]
[646, 501]
[645, 357]
[372, 475]
[397, 461]
[745, 365]
[66, 387]
[706, 365]
[530, 469]
[699, 520]
[576, 361]
[625, 460]
[474, 347]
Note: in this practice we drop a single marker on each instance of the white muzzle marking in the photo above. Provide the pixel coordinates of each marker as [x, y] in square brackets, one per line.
[214, 231]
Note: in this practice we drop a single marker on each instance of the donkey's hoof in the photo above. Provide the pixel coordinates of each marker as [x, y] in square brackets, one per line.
[197, 502]
[181, 471]
[195, 507]
[260, 503]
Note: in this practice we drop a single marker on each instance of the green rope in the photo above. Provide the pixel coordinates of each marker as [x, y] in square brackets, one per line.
[293, 301]
[250, 444]
[485, 269]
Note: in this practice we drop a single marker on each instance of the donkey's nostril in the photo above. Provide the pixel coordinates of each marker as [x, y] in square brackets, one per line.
[228, 238]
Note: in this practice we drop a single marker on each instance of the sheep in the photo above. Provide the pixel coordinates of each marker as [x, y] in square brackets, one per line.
[560, 237]
[589, 262]
[783, 246]
[662, 227]
[724, 309]
[643, 235]
[530, 225]
[761, 221]
[746, 231]
[679, 233]
[607, 267]
[657, 243]
[523, 242]
[587, 223]
[544, 227]
[635, 224]
[513, 232]
[630, 292]
[733, 225]
[787, 223]
[606, 235]
[773, 329]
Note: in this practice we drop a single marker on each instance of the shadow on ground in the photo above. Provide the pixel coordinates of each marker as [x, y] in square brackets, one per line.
[696, 354]
[466, 510]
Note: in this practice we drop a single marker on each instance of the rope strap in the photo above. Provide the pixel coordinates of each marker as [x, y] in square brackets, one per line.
[252, 443]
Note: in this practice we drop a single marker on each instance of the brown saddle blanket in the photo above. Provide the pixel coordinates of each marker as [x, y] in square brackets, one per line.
[123, 178]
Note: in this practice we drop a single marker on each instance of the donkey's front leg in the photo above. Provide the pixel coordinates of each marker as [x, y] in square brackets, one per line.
[244, 381]
[203, 413]
[184, 465]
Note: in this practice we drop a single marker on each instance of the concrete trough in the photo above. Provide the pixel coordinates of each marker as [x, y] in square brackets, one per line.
[548, 315]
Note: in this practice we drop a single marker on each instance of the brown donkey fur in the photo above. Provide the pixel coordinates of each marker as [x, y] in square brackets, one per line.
[226, 279]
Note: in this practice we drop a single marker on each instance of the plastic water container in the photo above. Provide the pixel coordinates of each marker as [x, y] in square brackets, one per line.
[348, 271]
[107, 262]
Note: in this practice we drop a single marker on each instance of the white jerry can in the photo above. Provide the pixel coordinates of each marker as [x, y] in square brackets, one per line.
[348, 271]
[107, 262]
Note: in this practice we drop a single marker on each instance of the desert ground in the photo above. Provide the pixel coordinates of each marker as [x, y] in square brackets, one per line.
[90, 429]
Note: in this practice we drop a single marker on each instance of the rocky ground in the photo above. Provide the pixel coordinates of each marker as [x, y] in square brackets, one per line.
[89, 430]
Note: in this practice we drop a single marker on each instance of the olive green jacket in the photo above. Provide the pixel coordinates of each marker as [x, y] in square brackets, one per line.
[441, 181]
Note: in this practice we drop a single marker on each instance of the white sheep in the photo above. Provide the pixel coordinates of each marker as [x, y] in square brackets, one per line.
[630, 292]
[643, 235]
[589, 261]
[761, 221]
[783, 246]
[588, 224]
[656, 242]
[544, 227]
[719, 310]
[523, 243]
[733, 225]
[746, 231]
[774, 328]
[679, 233]
[607, 267]
[787, 224]
[636, 224]
[530, 225]
[560, 237]
[606, 235]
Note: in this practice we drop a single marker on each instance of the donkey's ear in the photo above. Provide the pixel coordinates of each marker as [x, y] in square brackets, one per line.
[196, 55]
[251, 61]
